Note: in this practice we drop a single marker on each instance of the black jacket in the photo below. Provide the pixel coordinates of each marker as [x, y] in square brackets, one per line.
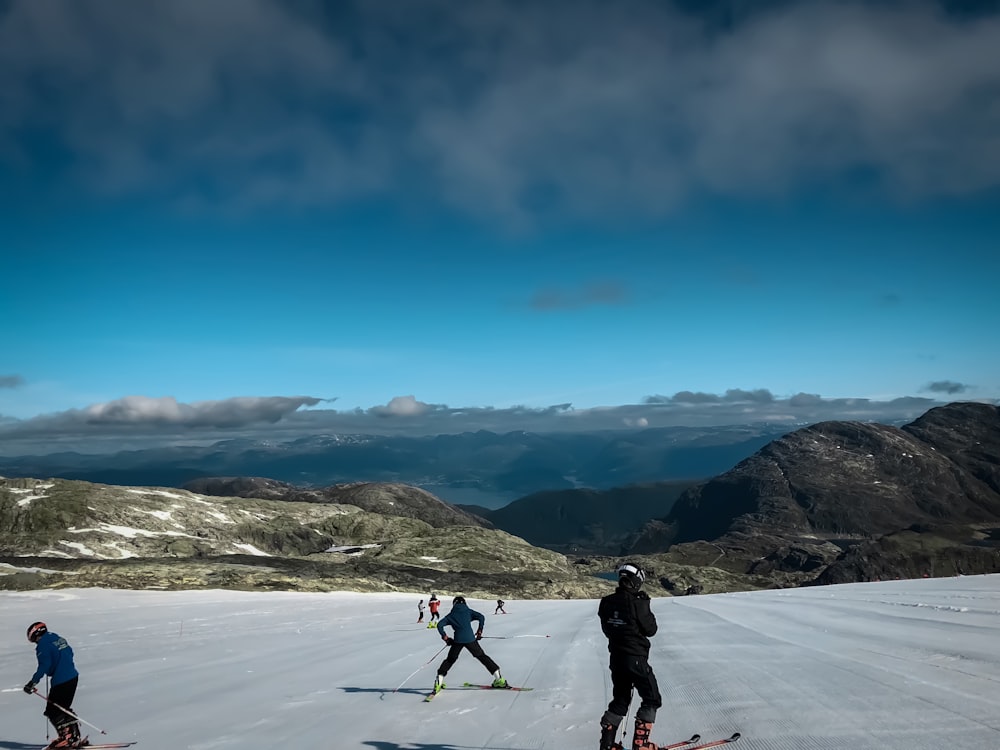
[628, 622]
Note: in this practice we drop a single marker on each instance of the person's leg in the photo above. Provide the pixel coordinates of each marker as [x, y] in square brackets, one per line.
[621, 697]
[648, 690]
[491, 666]
[61, 697]
[453, 651]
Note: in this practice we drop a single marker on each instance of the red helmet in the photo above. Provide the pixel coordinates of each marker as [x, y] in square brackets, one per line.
[36, 630]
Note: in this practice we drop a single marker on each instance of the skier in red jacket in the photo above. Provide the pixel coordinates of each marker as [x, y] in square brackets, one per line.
[434, 604]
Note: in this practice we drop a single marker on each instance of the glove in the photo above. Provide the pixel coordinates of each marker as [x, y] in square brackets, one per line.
[479, 634]
[29, 687]
[447, 640]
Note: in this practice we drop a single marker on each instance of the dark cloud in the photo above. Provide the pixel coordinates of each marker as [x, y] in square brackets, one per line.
[600, 293]
[11, 381]
[733, 395]
[685, 397]
[504, 109]
[946, 386]
[805, 399]
[136, 421]
[139, 413]
[756, 396]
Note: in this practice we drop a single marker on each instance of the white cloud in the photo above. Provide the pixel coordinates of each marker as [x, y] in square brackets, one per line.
[402, 406]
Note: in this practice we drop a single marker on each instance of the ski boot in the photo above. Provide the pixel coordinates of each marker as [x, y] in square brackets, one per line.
[439, 683]
[69, 737]
[640, 739]
[498, 681]
[608, 732]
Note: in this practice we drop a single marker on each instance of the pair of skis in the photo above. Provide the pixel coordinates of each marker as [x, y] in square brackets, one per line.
[490, 687]
[692, 743]
[474, 686]
[101, 745]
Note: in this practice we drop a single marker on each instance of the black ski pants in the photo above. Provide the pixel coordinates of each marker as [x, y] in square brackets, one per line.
[475, 649]
[628, 672]
[61, 695]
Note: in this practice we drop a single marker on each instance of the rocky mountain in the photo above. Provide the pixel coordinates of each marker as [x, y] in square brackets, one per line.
[480, 468]
[848, 501]
[59, 533]
[392, 499]
[586, 521]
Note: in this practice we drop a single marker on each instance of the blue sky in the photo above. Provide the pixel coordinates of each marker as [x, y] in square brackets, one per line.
[645, 212]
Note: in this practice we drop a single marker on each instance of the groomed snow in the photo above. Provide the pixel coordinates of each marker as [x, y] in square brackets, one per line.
[902, 665]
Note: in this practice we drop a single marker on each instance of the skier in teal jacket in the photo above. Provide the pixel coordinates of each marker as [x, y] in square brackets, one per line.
[460, 619]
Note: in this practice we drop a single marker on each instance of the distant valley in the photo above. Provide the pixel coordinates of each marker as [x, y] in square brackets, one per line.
[483, 468]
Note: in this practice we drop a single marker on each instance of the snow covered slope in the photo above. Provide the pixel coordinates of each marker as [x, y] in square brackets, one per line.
[903, 665]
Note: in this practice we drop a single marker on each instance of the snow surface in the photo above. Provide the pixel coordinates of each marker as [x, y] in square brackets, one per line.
[901, 665]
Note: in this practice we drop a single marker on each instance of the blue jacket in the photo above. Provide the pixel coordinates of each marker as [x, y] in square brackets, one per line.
[55, 659]
[460, 618]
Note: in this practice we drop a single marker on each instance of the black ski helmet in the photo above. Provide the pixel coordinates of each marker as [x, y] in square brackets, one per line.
[36, 630]
[458, 600]
[631, 576]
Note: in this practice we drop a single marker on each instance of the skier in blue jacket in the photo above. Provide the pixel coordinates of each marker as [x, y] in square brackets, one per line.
[55, 659]
[460, 618]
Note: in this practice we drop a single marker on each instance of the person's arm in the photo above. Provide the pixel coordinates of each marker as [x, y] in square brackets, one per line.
[440, 626]
[44, 662]
[644, 616]
[481, 619]
[603, 614]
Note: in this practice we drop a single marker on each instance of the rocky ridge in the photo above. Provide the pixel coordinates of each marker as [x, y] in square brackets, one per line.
[58, 533]
[846, 501]
[388, 498]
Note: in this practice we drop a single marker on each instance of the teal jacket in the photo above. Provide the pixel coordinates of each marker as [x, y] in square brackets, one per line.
[460, 618]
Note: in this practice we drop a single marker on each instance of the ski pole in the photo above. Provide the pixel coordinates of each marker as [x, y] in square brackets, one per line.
[505, 637]
[67, 712]
[421, 667]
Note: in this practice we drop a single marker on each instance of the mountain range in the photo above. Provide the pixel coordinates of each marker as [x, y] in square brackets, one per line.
[831, 502]
[482, 468]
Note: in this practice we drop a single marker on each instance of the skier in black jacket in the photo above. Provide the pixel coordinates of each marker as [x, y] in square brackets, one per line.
[628, 622]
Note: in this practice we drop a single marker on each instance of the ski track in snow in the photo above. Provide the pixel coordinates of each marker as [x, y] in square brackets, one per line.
[901, 665]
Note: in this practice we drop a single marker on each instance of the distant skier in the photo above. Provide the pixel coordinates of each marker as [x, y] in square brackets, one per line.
[628, 622]
[435, 604]
[500, 609]
[460, 619]
[55, 659]
[420, 611]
